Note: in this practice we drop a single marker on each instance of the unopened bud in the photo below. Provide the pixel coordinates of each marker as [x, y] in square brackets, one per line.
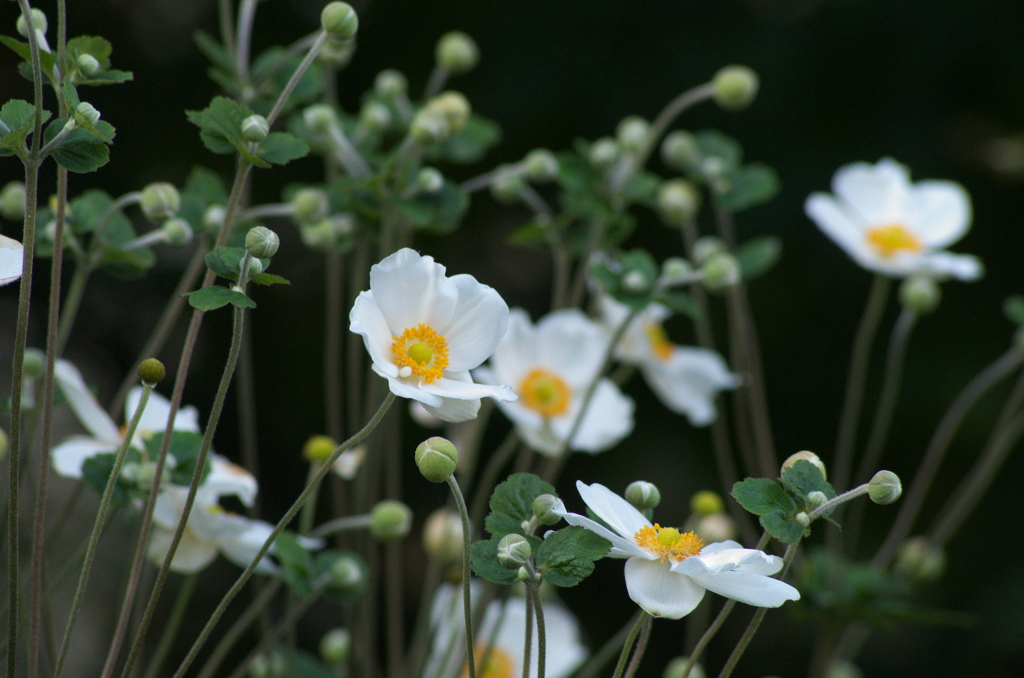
[636, 282]
[390, 519]
[442, 535]
[310, 205]
[514, 551]
[455, 108]
[920, 560]
[375, 116]
[677, 669]
[335, 647]
[213, 217]
[89, 112]
[805, 456]
[319, 118]
[429, 180]
[816, 499]
[436, 458]
[160, 201]
[325, 234]
[678, 202]
[429, 126]
[12, 201]
[643, 495]
[347, 575]
[33, 363]
[255, 129]
[603, 153]
[177, 232]
[715, 527]
[507, 186]
[540, 165]
[339, 20]
[542, 509]
[706, 503]
[735, 87]
[319, 448]
[38, 23]
[707, 247]
[87, 64]
[885, 487]
[457, 52]
[390, 84]
[261, 242]
[632, 133]
[802, 518]
[152, 371]
[675, 271]
[721, 271]
[920, 293]
[679, 150]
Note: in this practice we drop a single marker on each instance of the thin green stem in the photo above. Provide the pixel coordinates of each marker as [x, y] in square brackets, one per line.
[285, 520]
[672, 110]
[627, 647]
[466, 542]
[311, 55]
[641, 647]
[172, 626]
[337, 525]
[235, 631]
[542, 638]
[604, 655]
[289, 620]
[97, 529]
[528, 638]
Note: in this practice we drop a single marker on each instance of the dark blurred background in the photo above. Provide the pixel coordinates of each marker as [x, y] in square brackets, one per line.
[935, 84]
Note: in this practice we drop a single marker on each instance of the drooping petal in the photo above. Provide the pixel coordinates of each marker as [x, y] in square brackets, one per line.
[411, 289]
[93, 417]
[620, 515]
[191, 556]
[714, 561]
[455, 410]
[460, 385]
[659, 591]
[11, 259]
[621, 547]
[745, 587]
[67, 458]
[229, 479]
[477, 326]
[367, 320]
[689, 380]
[608, 419]
[245, 542]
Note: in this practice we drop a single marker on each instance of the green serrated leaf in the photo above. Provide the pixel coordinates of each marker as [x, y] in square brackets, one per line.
[781, 525]
[47, 60]
[512, 503]
[762, 495]
[226, 261]
[532, 234]
[95, 46]
[220, 125]
[483, 558]
[566, 557]
[280, 148]
[124, 263]
[79, 151]
[215, 296]
[268, 279]
[758, 256]
[19, 117]
[748, 186]
[803, 477]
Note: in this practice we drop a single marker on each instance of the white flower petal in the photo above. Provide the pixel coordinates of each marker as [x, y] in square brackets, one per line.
[411, 289]
[688, 382]
[712, 562]
[659, 591]
[620, 515]
[191, 556]
[158, 409]
[745, 587]
[944, 265]
[460, 385]
[93, 417]
[367, 320]
[938, 212]
[516, 355]
[622, 547]
[11, 259]
[835, 221]
[68, 457]
[408, 389]
[245, 542]
[875, 193]
[608, 419]
[229, 479]
[455, 410]
[571, 345]
[478, 324]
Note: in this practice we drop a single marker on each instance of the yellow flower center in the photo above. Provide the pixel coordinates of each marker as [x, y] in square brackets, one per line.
[498, 665]
[891, 239]
[668, 542]
[545, 392]
[661, 347]
[422, 352]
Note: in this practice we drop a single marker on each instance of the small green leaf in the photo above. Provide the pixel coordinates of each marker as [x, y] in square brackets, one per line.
[19, 117]
[215, 52]
[296, 563]
[96, 472]
[642, 187]
[758, 256]
[469, 144]
[79, 151]
[215, 296]
[748, 186]
[268, 279]
[566, 557]
[714, 144]
[47, 60]
[512, 503]
[680, 302]
[280, 148]
[184, 448]
[781, 525]
[226, 261]
[483, 558]
[762, 495]
[531, 234]
[220, 126]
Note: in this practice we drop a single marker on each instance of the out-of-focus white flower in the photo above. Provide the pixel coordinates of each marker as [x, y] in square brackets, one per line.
[425, 331]
[551, 366]
[11, 259]
[685, 378]
[668, 571]
[565, 650]
[892, 226]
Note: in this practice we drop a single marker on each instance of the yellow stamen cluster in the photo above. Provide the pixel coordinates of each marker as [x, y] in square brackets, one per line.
[661, 347]
[499, 664]
[423, 351]
[892, 239]
[668, 542]
[544, 391]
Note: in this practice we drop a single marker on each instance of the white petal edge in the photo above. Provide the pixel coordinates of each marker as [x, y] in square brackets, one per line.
[620, 515]
[745, 587]
[410, 289]
[93, 417]
[659, 591]
[12, 259]
[478, 324]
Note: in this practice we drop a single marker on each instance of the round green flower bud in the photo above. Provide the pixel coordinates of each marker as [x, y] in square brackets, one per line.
[255, 129]
[319, 118]
[262, 667]
[920, 293]
[339, 20]
[919, 559]
[324, 234]
[707, 247]
[457, 52]
[335, 647]
[261, 242]
[885, 487]
[677, 666]
[177, 232]
[735, 87]
[679, 150]
[507, 186]
[802, 518]
[38, 23]
[429, 126]
[347, 575]
[213, 217]
[390, 84]
[805, 456]
[706, 503]
[514, 551]
[675, 271]
[336, 54]
[5, 444]
[310, 205]
[643, 495]
[540, 165]
[89, 112]
[152, 371]
[442, 535]
[603, 153]
[678, 202]
[455, 108]
[816, 499]
[12, 201]
[160, 201]
[636, 282]
[721, 271]
[33, 363]
[375, 116]
[87, 64]
[390, 519]
[255, 267]
[319, 448]
[632, 133]
[436, 458]
[429, 180]
[542, 509]
[716, 527]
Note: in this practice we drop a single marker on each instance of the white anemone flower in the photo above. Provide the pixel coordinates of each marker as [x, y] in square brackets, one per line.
[894, 227]
[425, 331]
[668, 571]
[565, 649]
[11, 260]
[551, 366]
[106, 436]
[685, 378]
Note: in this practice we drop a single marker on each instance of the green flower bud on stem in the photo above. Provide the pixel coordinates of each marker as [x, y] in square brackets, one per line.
[336, 53]
[802, 518]
[816, 499]
[177, 232]
[721, 271]
[636, 282]
[34, 362]
[677, 667]
[152, 371]
[390, 519]
[514, 551]
[339, 20]
[542, 506]
[87, 64]
[603, 153]
[632, 133]
[346, 575]
[678, 202]
[89, 112]
[679, 150]
[255, 129]
[429, 126]
[375, 116]
[805, 456]
[429, 180]
[38, 22]
[675, 271]
[390, 84]
[213, 217]
[885, 487]
[261, 242]
[310, 205]
[920, 560]
[643, 495]
[540, 165]
[507, 185]
[455, 108]
[457, 52]
[319, 448]
[436, 458]
[12, 201]
[319, 118]
[707, 247]
[335, 647]
[735, 87]
[160, 201]
[920, 293]
[706, 503]
[442, 535]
